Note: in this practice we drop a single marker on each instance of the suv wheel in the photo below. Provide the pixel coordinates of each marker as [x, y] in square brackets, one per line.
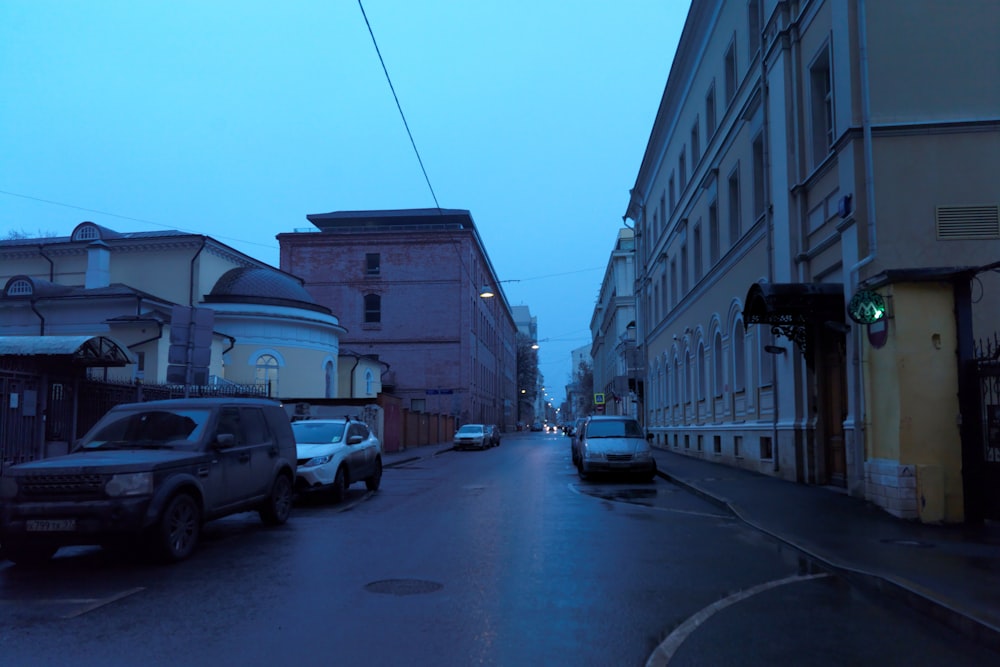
[376, 478]
[338, 490]
[278, 505]
[176, 534]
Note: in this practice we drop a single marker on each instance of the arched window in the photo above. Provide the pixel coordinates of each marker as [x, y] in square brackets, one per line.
[717, 365]
[739, 357]
[266, 372]
[678, 387]
[369, 383]
[688, 362]
[702, 370]
[373, 308]
[331, 381]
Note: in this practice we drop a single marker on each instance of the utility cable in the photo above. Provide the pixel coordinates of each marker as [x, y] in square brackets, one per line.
[399, 106]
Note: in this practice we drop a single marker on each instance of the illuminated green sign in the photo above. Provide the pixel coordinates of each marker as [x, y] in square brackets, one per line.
[866, 307]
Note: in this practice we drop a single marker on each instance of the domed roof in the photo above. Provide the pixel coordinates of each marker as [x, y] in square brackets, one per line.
[257, 285]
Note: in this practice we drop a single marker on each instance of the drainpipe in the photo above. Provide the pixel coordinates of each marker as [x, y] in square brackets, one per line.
[866, 125]
[357, 360]
[191, 295]
[52, 266]
[41, 318]
[158, 335]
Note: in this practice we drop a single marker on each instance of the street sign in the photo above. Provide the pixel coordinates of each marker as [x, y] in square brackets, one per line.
[598, 399]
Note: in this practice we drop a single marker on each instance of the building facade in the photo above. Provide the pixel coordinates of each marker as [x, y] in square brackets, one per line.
[806, 156]
[406, 285]
[617, 368]
[265, 327]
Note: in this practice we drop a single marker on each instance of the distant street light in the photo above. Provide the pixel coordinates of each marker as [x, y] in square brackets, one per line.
[486, 292]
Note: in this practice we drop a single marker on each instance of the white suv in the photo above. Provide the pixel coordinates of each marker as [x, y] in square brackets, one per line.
[335, 453]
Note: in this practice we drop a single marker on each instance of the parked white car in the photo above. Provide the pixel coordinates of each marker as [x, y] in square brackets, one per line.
[615, 445]
[335, 453]
[472, 435]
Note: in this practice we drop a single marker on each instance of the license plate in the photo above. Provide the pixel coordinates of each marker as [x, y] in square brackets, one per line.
[51, 525]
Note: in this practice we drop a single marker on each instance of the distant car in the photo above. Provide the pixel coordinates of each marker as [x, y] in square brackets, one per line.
[335, 453]
[614, 444]
[536, 426]
[494, 432]
[153, 473]
[472, 436]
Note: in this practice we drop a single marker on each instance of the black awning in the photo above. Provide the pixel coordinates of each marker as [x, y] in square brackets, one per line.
[98, 351]
[794, 303]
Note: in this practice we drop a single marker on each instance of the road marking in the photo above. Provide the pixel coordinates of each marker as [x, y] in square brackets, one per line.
[665, 651]
[101, 602]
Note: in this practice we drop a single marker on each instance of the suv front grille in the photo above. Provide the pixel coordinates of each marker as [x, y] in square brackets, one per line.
[35, 486]
[619, 457]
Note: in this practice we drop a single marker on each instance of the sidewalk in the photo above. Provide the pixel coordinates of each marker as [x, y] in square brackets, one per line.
[950, 572]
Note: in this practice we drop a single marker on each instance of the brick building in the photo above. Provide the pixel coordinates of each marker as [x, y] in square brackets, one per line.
[406, 285]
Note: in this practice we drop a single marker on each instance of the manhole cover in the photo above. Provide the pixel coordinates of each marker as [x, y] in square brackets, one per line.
[403, 586]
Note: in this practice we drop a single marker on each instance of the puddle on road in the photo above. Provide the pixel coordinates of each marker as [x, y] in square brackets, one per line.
[634, 496]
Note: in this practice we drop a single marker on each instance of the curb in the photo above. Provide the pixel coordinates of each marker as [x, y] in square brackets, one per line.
[974, 628]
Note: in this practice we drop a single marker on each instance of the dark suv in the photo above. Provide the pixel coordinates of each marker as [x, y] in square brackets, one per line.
[152, 472]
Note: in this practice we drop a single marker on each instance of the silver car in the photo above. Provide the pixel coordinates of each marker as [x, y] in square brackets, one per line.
[472, 435]
[614, 444]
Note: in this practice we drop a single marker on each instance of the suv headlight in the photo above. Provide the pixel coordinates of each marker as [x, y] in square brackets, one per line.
[591, 455]
[318, 460]
[643, 454]
[130, 484]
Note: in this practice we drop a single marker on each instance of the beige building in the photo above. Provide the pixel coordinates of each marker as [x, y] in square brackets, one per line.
[805, 154]
[265, 327]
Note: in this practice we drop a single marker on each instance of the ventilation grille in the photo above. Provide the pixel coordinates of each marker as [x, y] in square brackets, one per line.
[967, 222]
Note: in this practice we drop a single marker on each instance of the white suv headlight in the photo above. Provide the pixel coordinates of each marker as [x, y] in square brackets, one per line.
[130, 484]
[318, 460]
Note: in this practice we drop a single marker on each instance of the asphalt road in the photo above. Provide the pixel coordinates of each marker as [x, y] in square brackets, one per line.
[499, 557]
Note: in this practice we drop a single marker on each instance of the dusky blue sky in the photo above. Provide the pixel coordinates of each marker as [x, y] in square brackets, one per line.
[236, 119]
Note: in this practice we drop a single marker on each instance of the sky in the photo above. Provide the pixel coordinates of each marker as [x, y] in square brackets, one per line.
[237, 119]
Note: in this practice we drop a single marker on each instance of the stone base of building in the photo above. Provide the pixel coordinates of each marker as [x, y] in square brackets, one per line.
[893, 487]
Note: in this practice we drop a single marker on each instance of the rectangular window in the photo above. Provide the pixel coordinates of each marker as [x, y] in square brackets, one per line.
[695, 146]
[673, 194]
[821, 96]
[663, 294]
[684, 269]
[716, 444]
[417, 404]
[673, 281]
[698, 268]
[734, 207]
[753, 26]
[758, 176]
[731, 72]
[766, 450]
[373, 308]
[663, 207]
[682, 166]
[713, 233]
[373, 263]
[710, 113]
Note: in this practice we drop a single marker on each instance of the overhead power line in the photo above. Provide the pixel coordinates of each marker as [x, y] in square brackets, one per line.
[399, 106]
